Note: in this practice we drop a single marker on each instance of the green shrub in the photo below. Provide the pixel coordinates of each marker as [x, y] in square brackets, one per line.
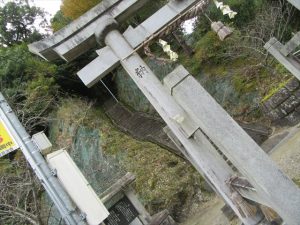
[209, 51]
[28, 83]
[207, 48]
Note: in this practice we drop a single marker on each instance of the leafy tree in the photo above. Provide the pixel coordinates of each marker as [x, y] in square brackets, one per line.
[18, 21]
[246, 12]
[59, 21]
[12, 65]
[29, 84]
[75, 8]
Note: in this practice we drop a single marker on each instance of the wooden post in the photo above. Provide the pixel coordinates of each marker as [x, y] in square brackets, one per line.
[144, 216]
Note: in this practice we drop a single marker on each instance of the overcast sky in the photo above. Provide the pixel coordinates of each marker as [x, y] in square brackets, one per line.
[50, 6]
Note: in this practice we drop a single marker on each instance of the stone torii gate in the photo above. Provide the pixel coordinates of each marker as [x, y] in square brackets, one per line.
[200, 127]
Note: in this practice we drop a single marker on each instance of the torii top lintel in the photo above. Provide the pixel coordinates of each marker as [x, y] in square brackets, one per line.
[79, 36]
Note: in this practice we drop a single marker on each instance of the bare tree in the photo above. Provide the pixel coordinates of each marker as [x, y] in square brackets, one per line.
[271, 21]
[19, 195]
[33, 111]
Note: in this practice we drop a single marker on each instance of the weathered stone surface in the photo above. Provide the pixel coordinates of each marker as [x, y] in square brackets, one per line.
[276, 114]
[290, 104]
[258, 132]
[297, 109]
[144, 31]
[292, 85]
[279, 97]
[297, 93]
[237, 147]
[266, 107]
[78, 37]
[293, 118]
[108, 23]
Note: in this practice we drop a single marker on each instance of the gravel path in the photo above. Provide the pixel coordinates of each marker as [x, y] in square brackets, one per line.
[287, 153]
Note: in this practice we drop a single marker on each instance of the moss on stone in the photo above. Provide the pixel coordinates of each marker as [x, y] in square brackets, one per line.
[274, 90]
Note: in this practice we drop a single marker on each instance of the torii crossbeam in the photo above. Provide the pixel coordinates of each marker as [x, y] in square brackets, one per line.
[200, 127]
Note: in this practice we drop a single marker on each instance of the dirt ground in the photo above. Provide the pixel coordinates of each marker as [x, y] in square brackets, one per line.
[210, 214]
[287, 153]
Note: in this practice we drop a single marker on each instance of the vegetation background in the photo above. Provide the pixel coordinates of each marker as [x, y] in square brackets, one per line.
[238, 72]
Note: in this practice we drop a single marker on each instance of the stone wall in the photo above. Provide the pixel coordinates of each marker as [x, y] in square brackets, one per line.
[283, 107]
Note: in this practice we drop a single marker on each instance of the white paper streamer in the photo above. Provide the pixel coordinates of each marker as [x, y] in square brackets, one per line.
[225, 9]
[167, 49]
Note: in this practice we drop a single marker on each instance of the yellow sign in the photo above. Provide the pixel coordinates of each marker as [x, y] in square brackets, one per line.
[7, 143]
